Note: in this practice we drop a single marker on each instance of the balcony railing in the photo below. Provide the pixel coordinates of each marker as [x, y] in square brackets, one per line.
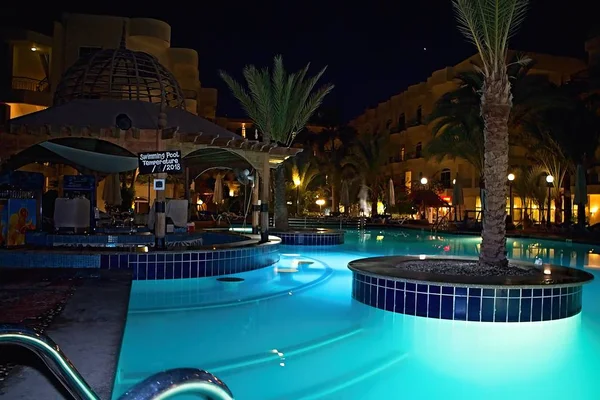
[33, 85]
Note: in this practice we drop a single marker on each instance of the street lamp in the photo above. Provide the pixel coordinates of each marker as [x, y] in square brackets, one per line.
[511, 178]
[424, 181]
[320, 203]
[297, 182]
[550, 182]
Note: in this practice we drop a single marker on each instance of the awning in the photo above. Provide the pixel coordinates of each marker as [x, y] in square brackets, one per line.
[98, 162]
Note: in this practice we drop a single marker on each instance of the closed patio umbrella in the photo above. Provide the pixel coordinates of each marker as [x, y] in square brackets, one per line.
[111, 193]
[580, 197]
[391, 193]
[345, 195]
[218, 191]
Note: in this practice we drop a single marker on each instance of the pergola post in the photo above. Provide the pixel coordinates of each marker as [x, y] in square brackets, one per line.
[255, 206]
[264, 206]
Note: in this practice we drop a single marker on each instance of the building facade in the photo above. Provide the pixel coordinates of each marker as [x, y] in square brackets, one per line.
[34, 63]
[404, 118]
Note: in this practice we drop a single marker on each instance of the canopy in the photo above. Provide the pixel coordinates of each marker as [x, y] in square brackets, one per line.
[89, 154]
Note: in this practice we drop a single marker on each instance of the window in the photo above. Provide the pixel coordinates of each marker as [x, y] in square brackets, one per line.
[408, 179]
[419, 118]
[402, 122]
[86, 51]
[446, 178]
[402, 153]
[419, 150]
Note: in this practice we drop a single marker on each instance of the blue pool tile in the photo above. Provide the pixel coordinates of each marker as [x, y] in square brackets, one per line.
[381, 298]
[525, 310]
[536, 309]
[460, 308]
[434, 306]
[556, 307]
[390, 299]
[400, 297]
[410, 303]
[422, 306]
[460, 291]
[489, 292]
[434, 289]
[514, 293]
[546, 308]
[373, 300]
[514, 309]
[411, 287]
[474, 308]
[400, 285]
[526, 292]
[487, 309]
[474, 292]
[447, 307]
[422, 288]
[447, 290]
[501, 309]
[563, 306]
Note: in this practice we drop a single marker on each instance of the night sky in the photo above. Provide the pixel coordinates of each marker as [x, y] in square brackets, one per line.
[373, 49]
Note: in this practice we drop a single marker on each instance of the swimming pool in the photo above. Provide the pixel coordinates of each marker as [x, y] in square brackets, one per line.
[285, 335]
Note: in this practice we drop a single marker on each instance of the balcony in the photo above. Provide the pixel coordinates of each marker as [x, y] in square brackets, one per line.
[30, 84]
[23, 90]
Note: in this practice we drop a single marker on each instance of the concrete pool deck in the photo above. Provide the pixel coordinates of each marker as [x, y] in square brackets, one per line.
[89, 331]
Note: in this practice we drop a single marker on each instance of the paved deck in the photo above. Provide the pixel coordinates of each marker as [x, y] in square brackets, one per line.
[89, 329]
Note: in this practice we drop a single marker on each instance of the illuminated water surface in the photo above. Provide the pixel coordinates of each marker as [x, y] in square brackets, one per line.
[292, 331]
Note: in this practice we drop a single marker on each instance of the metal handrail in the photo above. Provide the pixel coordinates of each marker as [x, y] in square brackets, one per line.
[159, 386]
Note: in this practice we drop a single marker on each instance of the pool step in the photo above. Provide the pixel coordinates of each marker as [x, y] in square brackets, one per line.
[327, 273]
[268, 357]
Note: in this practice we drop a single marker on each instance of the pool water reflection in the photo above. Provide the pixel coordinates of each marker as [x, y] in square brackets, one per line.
[297, 334]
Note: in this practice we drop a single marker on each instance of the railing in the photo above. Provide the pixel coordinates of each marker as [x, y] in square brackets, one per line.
[328, 222]
[159, 386]
[34, 85]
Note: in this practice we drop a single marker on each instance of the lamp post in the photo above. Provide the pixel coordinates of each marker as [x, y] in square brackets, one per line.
[297, 182]
[423, 212]
[549, 181]
[320, 203]
[511, 178]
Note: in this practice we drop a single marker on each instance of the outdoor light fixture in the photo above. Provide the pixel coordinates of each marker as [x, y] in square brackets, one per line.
[454, 181]
[33, 48]
[511, 177]
[123, 122]
[320, 202]
[297, 181]
[550, 181]
[424, 181]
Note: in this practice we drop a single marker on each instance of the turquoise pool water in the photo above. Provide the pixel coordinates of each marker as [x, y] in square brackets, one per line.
[285, 335]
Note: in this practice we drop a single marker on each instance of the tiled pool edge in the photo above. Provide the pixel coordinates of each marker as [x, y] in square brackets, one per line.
[466, 303]
[310, 238]
[154, 265]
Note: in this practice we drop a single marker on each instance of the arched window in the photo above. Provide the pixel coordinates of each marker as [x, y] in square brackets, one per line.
[419, 150]
[402, 153]
[445, 178]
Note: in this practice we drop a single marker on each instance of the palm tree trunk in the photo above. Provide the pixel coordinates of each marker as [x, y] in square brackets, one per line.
[281, 210]
[495, 110]
[567, 198]
[374, 198]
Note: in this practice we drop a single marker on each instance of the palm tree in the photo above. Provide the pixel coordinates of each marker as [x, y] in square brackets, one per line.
[488, 24]
[366, 158]
[280, 105]
[303, 172]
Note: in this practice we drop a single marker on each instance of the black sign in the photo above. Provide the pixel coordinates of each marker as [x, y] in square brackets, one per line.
[160, 161]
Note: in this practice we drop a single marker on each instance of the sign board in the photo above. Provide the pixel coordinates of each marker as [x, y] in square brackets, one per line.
[160, 162]
[159, 184]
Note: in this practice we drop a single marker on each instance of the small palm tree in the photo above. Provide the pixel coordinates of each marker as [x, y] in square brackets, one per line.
[366, 158]
[489, 24]
[303, 171]
[280, 105]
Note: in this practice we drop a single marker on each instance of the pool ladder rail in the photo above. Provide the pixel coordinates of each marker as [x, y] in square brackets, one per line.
[159, 386]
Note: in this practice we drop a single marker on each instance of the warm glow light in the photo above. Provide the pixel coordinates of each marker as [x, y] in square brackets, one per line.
[33, 48]
[511, 177]
[454, 181]
[547, 271]
[320, 202]
[424, 181]
[549, 178]
[231, 192]
[297, 181]
[199, 202]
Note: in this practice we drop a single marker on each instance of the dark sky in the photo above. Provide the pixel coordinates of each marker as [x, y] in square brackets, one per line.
[373, 49]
